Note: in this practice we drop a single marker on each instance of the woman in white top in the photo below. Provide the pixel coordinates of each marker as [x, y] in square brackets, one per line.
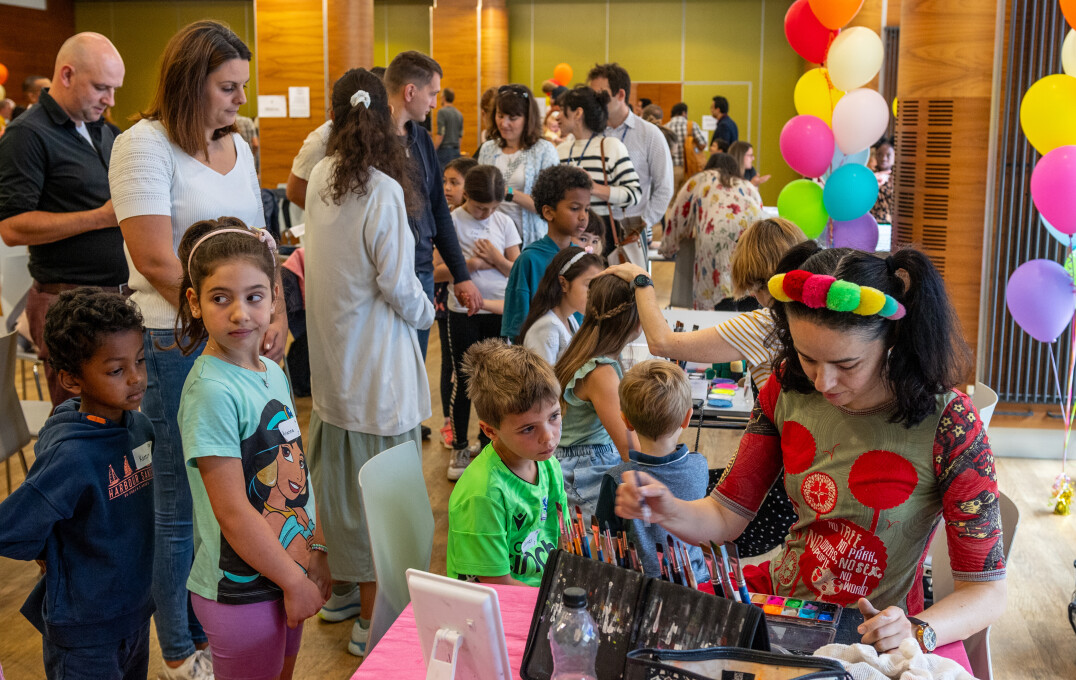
[182, 163]
[364, 306]
[606, 160]
[516, 147]
[561, 295]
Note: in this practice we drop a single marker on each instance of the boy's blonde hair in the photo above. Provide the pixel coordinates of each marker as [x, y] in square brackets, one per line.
[654, 396]
[758, 252]
[507, 379]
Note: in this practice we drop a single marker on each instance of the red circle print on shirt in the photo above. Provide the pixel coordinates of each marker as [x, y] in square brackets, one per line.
[842, 562]
[819, 492]
[882, 480]
[798, 447]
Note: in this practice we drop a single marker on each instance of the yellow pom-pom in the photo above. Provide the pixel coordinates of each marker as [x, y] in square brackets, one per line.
[871, 301]
[777, 288]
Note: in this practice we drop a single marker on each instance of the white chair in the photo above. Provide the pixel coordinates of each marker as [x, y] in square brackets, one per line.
[978, 645]
[985, 401]
[21, 420]
[15, 282]
[400, 522]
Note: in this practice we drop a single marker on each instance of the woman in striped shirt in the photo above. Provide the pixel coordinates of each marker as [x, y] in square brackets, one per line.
[605, 159]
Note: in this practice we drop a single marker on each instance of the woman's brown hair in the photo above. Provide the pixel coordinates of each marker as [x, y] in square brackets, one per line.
[738, 150]
[363, 137]
[610, 322]
[725, 167]
[179, 103]
[517, 100]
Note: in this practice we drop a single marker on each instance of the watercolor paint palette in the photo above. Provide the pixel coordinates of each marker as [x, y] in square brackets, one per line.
[804, 611]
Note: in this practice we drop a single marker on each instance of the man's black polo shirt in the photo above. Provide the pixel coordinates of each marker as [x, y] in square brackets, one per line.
[45, 164]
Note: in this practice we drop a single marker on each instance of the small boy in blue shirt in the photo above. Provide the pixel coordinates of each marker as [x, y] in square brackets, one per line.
[655, 402]
[86, 506]
[561, 195]
[502, 515]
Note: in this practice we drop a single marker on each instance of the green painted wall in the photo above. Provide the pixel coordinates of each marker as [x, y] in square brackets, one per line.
[735, 48]
[140, 29]
[400, 25]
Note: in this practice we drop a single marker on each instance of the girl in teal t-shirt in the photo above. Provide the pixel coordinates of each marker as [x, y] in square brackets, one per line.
[260, 564]
[593, 435]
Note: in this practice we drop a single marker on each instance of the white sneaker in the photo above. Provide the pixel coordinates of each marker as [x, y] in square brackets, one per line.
[474, 450]
[461, 458]
[197, 666]
[341, 607]
[359, 637]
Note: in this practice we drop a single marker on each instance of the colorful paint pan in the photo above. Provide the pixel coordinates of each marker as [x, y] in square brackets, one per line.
[795, 608]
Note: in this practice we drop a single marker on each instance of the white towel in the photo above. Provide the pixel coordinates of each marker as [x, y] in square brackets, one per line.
[908, 662]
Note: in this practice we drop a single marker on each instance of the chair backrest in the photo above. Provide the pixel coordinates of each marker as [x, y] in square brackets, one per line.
[400, 521]
[985, 400]
[14, 433]
[15, 282]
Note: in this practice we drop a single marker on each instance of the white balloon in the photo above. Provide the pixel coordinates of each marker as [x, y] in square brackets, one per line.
[860, 119]
[1068, 54]
[854, 58]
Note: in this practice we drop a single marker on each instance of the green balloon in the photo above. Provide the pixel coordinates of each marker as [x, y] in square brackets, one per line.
[800, 202]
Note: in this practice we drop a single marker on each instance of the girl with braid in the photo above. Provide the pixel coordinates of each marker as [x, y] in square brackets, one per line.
[593, 435]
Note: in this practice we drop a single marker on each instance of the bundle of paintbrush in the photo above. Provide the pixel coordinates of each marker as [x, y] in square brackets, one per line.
[675, 563]
[725, 573]
[599, 544]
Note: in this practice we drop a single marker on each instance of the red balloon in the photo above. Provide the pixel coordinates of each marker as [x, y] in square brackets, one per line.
[806, 34]
[3, 74]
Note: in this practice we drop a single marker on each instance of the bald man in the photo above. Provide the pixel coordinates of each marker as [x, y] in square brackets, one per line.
[54, 194]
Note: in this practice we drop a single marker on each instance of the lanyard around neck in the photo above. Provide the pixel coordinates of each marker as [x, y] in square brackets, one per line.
[583, 153]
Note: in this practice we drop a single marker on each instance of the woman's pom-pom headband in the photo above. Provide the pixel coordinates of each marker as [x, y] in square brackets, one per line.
[819, 291]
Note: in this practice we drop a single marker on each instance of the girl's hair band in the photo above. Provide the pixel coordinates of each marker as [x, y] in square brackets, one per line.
[819, 291]
[569, 263]
[261, 234]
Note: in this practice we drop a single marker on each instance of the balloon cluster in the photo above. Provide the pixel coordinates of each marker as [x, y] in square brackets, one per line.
[838, 121]
[1041, 294]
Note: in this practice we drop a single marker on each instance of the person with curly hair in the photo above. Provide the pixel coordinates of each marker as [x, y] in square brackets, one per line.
[365, 305]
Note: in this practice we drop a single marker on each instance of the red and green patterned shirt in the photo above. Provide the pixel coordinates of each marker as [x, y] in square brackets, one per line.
[869, 494]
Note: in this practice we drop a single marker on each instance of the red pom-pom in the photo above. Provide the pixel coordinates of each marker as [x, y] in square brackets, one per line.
[816, 289]
[793, 284]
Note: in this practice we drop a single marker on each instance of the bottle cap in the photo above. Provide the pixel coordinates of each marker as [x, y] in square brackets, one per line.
[574, 598]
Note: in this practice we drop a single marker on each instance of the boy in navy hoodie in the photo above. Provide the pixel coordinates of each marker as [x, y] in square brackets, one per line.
[86, 506]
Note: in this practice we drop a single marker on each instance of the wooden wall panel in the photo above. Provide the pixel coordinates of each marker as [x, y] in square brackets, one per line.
[944, 86]
[351, 36]
[494, 48]
[290, 54]
[30, 39]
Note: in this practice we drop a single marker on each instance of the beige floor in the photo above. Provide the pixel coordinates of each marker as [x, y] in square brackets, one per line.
[1033, 639]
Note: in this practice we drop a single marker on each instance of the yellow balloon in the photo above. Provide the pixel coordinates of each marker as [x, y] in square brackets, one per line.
[815, 95]
[1068, 53]
[895, 100]
[1048, 113]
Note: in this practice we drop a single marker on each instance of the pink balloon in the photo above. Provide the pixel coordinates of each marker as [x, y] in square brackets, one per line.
[860, 119]
[807, 145]
[1052, 188]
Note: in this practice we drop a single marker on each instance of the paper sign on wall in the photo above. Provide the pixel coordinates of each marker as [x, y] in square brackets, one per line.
[299, 102]
[709, 123]
[272, 106]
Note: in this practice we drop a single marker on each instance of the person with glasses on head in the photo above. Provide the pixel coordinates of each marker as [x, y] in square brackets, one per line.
[516, 147]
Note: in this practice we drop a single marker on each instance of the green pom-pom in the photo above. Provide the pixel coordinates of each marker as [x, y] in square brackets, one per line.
[843, 296]
[889, 308]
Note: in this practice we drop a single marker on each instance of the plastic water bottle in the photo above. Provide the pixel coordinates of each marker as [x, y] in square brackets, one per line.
[573, 638]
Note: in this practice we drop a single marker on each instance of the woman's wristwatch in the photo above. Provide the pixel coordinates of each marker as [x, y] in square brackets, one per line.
[642, 281]
[508, 195]
[924, 634]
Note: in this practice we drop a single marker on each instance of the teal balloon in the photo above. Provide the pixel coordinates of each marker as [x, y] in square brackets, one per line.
[800, 202]
[850, 192]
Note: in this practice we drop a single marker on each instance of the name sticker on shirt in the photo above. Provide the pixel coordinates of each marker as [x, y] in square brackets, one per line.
[530, 543]
[143, 455]
[290, 429]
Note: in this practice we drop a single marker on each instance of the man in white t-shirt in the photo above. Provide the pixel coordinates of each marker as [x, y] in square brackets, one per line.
[312, 151]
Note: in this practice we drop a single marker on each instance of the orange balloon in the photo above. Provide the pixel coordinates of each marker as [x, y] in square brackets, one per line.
[562, 74]
[1068, 8]
[836, 13]
[3, 74]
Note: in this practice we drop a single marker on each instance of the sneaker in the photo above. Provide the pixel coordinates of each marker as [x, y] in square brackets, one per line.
[426, 432]
[461, 458]
[341, 607]
[446, 436]
[360, 635]
[474, 450]
[197, 666]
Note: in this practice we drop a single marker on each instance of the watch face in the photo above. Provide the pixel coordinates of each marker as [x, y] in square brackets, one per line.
[642, 280]
[930, 638]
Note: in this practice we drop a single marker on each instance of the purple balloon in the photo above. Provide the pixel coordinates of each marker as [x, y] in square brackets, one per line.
[1041, 298]
[859, 234]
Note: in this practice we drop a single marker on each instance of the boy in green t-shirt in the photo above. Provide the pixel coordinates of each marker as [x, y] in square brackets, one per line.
[502, 519]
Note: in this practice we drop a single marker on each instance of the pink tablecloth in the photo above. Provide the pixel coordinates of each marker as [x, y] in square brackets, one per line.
[398, 654]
